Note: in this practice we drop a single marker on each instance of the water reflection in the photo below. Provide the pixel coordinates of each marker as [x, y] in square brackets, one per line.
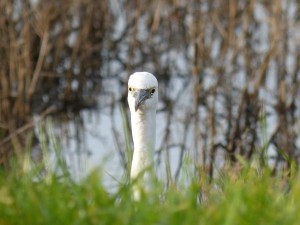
[228, 80]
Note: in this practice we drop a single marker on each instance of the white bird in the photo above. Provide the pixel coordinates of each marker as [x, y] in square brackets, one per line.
[142, 100]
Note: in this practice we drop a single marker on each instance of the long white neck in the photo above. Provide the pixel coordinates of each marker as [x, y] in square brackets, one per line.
[143, 132]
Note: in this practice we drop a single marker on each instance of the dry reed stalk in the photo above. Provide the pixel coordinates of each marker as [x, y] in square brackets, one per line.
[215, 40]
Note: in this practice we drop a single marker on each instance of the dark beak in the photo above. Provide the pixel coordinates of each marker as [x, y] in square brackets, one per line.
[140, 97]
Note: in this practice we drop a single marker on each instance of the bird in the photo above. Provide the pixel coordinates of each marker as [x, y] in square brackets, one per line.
[142, 101]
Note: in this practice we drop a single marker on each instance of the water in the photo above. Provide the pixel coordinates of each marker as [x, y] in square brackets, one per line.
[218, 77]
[95, 138]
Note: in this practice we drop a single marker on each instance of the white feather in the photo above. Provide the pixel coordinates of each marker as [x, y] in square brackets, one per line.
[143, 123]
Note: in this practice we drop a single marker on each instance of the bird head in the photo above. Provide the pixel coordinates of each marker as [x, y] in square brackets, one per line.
[142, 92]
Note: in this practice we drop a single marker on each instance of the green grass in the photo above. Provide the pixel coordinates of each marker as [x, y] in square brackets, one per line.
[251, 195]
[246, 197]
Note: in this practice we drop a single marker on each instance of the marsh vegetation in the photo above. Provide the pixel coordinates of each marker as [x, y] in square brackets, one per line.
[228, 72]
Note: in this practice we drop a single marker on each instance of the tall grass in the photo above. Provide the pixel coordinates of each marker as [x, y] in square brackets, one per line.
[217, 42]
[248, 198]
[248, 195]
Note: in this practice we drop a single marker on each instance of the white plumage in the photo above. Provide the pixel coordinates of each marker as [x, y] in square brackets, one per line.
[142, 100]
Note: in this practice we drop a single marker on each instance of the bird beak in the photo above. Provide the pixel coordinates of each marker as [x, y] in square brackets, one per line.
[140, 97]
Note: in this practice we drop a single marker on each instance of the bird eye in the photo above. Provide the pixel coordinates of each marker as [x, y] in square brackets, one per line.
[130, 88]
[152, 91]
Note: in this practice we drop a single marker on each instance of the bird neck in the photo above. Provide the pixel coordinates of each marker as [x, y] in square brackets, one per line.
[143, 134]
[143, 130]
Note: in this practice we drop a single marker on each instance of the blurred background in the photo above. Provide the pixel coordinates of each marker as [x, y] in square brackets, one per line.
[228, 72]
